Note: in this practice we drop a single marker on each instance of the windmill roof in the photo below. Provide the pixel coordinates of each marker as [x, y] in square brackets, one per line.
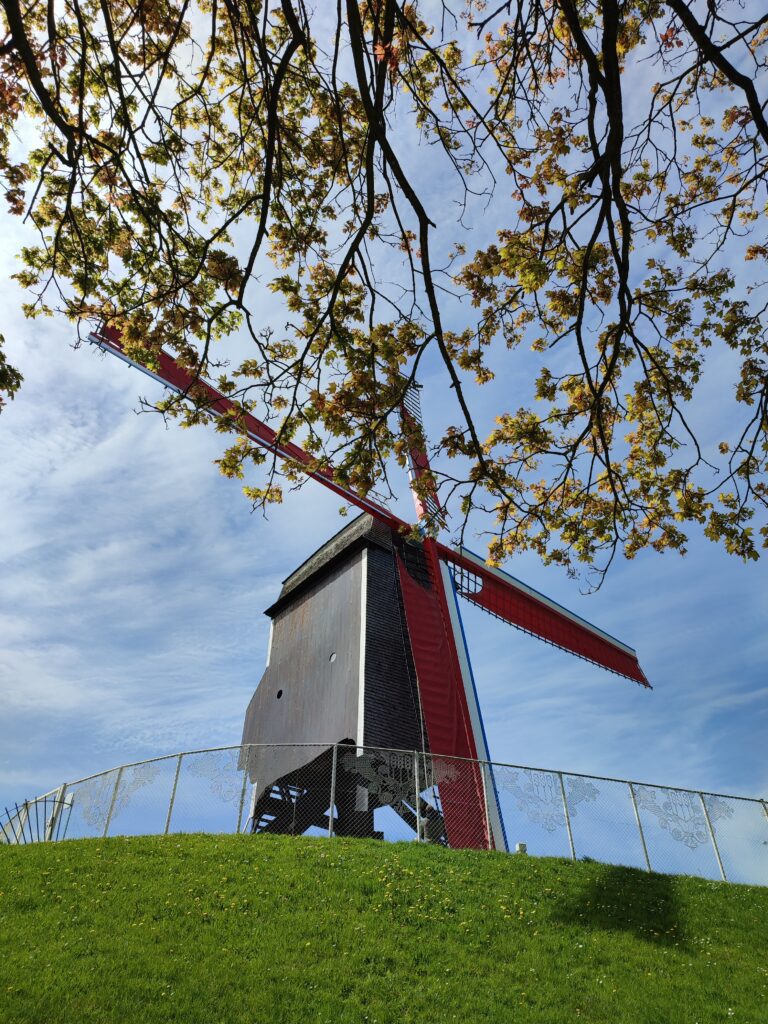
[361, 532]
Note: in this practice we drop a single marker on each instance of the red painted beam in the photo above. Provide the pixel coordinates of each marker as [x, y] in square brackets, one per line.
[184, 382]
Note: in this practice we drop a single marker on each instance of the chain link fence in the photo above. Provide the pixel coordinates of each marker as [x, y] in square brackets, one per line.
[402, 796]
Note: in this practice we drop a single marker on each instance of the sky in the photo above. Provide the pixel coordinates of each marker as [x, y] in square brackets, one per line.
[133, 579]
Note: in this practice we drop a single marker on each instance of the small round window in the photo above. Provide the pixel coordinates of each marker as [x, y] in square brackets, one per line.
[279, 694]
[332, 656]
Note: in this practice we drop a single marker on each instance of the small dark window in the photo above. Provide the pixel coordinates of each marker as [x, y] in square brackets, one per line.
[279, 694]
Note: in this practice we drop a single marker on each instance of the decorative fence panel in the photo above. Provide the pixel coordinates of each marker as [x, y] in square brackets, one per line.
[533, 810]
[403, 796]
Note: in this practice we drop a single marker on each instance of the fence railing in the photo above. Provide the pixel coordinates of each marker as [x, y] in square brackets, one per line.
[401, 795]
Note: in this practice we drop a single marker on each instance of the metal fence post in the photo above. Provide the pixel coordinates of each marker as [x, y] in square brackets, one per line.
[567, 816]
[22, 817]
[712, 837]
[50, 825]
[417, 798]
[245, 786]
[173, 795]
[639, 825]
[333, 790]
[67, 802]
[6, 835]
[484, 770]
[111, 811]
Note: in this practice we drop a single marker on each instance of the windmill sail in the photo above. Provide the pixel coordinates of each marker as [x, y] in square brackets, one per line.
[515, 602]
[450, 703]
[428, 508]
[176, 378]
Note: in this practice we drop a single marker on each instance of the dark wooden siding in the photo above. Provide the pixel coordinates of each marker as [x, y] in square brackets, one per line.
[392, 715]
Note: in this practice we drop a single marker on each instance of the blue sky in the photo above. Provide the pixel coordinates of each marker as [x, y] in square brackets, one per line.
[134, 579]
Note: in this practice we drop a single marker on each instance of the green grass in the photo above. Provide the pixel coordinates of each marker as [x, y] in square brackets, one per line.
[222, 930]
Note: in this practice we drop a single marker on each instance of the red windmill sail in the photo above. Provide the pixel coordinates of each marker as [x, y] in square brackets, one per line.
[509, 599]
[449, 702]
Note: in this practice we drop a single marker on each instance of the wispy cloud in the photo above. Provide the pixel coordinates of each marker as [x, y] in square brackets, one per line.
[133, 576]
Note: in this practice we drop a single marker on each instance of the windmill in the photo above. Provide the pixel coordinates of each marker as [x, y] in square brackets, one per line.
[367, 650]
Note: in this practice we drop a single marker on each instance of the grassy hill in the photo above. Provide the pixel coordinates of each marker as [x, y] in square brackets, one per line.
[223, 930]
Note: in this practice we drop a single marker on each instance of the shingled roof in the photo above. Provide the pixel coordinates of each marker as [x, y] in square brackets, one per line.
[361, 532]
